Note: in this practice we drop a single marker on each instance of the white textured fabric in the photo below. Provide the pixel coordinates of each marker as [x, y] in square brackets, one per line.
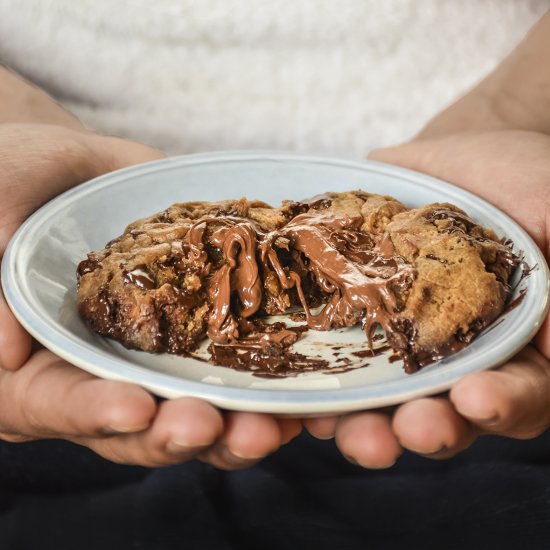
[326, 76]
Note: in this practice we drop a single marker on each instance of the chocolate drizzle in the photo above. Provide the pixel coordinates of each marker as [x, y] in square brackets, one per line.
[263, 363]
[357, 277]
[506, 260]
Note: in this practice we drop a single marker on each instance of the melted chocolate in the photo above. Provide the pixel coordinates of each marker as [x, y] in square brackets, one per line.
[87, 266]
[459, 222]
[140, 277]
[359, 289]
[371, 352]
[360, 280]
[317, 202]
[512, 304]
[437, 259]
[457, 219]
[268, 362]
[357, 278]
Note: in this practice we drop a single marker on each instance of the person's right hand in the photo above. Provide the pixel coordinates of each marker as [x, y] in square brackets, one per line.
[42, 396]
[510, 169]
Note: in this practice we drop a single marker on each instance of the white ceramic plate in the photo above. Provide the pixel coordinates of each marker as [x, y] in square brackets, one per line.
[38, 277]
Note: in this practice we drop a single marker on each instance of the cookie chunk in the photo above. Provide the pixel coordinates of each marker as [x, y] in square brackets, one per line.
[149, 288]
[461, 284]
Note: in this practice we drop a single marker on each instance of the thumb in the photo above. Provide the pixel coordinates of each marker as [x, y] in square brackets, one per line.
[409, 155]
[40, 161]
[110, 153]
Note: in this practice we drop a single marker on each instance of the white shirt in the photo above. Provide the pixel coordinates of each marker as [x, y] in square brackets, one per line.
[336, 77]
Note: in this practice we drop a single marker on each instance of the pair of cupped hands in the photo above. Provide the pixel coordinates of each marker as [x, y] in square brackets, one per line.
[45, 151]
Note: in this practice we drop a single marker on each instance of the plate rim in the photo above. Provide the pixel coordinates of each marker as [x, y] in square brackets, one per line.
[282, 401]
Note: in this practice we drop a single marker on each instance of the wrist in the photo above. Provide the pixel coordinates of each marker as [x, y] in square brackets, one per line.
[479, 110]
[513, 97]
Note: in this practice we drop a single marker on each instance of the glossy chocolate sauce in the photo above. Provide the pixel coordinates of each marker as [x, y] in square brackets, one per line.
[265, 362]
[140, 277]
[357, 277]
[86, 266]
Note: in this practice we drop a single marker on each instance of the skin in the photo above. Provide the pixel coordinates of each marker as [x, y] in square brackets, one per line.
[494, 142]
[44, 151]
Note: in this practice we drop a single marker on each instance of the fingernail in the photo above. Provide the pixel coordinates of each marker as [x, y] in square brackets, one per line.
[379, 466]
[432, 451]
[232, 455]
[178, 446]
[324, 437]
[240, 456]
[436, 451]
[349, 458]
[369, 466]
[114, 429]
[486, 421]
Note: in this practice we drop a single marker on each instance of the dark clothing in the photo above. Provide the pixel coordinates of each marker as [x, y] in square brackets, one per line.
[495, 495]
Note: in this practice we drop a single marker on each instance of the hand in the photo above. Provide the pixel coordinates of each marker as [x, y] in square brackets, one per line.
[510, 169]
[42, 396]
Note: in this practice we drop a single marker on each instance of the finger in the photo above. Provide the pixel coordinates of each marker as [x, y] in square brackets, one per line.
[512, 401]
[50, 398]
[15, 343]
[111, 153]
[414, 155]
[290, 428]
[322, 427]
[248, 437]
[181, 429]
[542, 338]
[40, 161]
[367, 439]
[432, 427]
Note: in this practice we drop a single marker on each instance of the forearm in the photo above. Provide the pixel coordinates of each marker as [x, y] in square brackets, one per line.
[21, 101]
[516, 95]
